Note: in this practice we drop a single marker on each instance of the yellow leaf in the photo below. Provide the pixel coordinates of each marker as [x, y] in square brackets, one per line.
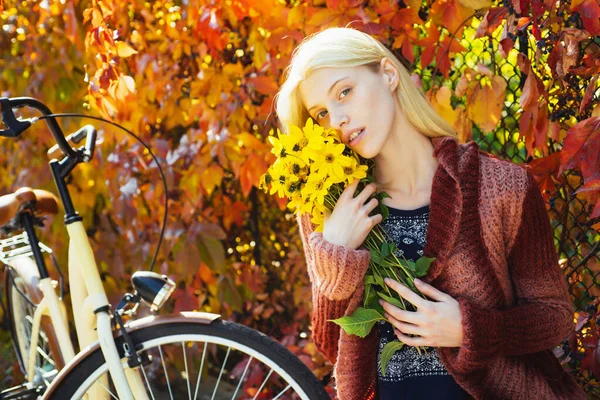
[124, 50]
[476, 4]
[295, 17]
[441, 103]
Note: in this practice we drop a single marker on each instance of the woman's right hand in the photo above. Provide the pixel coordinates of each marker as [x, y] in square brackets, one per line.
[349, 223]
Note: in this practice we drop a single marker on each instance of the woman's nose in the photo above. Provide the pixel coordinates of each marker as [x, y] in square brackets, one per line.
[339, 119]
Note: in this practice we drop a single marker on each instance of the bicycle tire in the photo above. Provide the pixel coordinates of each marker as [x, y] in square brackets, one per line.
[20, 316]
[80, 379]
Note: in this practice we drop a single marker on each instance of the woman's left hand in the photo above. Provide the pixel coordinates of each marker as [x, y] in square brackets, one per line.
[436, 323]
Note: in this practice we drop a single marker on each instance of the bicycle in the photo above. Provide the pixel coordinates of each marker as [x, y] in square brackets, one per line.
[123, 360]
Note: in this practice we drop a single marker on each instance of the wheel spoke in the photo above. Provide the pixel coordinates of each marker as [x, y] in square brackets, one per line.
[221, 373]
[187, 372]
[147, 383]
[263, 385]
[105, 388]
[242, 378]
[200, 371]
[282, 392]
[165, 369]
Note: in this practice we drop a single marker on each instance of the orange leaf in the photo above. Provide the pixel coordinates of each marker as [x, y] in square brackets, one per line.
[484, 103]
[211, 178]
[264, 84]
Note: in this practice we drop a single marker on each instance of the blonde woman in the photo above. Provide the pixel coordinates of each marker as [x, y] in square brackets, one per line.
[497, 300]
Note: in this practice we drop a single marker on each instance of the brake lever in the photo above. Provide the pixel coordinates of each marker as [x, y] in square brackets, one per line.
[14, 125]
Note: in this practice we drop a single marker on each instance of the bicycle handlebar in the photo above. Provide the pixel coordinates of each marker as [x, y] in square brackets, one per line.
[16, 127]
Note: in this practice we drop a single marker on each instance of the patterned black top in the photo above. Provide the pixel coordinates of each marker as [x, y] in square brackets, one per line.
[410, 375]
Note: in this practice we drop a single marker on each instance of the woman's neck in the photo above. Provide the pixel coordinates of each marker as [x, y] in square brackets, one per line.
[406, 164]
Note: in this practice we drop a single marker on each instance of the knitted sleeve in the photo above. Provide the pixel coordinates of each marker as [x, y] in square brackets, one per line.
[335, 273]
[543, 314]
[335, 270]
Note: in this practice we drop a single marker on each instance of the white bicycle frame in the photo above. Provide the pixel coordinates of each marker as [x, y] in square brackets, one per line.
[90, 311]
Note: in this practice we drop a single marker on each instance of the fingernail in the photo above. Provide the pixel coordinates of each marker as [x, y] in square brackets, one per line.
[418, 281]
[381, 302]
[387, 281]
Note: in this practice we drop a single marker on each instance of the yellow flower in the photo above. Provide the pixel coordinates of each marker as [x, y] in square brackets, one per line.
[295, 168]
[318, 217]
[317, 187]
[279, 147]
[306, 141]
[331, 162]
[265, 181]
[355, 171]
[278, 183]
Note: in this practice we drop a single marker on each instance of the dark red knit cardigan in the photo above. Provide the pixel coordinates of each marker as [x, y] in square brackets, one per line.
[494, 249]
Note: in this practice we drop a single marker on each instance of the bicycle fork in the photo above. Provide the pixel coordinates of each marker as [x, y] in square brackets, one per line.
[90, 299]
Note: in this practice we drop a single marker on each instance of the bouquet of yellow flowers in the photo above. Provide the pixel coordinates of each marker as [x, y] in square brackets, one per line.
[311, 170]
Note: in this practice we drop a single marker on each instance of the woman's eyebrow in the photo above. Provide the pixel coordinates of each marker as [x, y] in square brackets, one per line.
[330, 89]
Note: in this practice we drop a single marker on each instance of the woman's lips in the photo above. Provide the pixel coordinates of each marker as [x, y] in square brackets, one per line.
[358, 138]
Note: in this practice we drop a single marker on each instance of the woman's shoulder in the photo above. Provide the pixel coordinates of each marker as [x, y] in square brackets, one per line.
[502, 176]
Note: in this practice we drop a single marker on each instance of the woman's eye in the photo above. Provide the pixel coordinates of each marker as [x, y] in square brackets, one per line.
[345, 92]
[321, 114]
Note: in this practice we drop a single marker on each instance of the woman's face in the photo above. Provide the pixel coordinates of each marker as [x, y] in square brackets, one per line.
[357, 101]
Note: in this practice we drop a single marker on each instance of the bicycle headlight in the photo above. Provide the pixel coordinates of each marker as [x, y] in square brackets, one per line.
[153, 288]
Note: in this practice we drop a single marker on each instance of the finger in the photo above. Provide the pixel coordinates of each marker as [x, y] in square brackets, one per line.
[375, 219]
[400, 314]
[366, 193]
[370, 206]
[405, 292]
[409, 329]
[350, 189]
[412, 341]
[430, 291]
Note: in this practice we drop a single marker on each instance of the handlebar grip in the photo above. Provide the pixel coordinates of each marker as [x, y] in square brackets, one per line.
[14, 126]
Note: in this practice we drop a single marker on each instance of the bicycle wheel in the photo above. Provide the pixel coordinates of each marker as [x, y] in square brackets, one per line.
[22, 297]
[220, 360]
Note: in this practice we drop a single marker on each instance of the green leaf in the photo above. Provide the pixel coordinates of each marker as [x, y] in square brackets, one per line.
[422, 266]
[379, 280]
[384, 211]
[385, 249]
[390, 300]
[369, 280]
[387, 353]
[360, 323]
[375, 256]
[370, 297]
[384, 195]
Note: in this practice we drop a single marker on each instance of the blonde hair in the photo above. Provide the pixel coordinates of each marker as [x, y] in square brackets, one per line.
[347, 47]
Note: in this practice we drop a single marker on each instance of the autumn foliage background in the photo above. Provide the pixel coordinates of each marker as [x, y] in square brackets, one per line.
[196, 79]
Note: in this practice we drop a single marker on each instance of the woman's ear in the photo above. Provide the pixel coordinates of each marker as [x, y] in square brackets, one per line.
[390, 73]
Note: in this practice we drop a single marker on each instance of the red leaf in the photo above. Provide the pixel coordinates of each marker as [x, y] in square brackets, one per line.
[589, 93]
[184, 300]
[544, 171]
[581, 149]
[589, 11]
[492, 20]
[582, 318]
